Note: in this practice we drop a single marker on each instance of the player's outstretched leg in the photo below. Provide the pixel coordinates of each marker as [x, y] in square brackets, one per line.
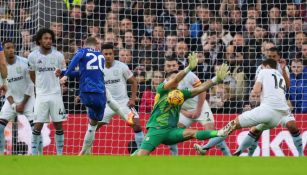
[296, 136]
[218, 141]
[3, 124]
[59, 137]
[138, 133]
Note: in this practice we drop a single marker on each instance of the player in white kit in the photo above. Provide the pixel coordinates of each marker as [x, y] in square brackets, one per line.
[194, 110]
[20, 91]
[49, 103]
[251, 140]
[273, 106]
[117, 74]
[3, 70]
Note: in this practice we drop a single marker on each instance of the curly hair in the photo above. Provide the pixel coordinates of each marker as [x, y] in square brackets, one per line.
[40, 34]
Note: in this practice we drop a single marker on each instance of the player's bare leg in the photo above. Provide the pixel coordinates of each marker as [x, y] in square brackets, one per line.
[218, 141]
[36, 135]
[89, 137]
[59, 137]
[248, 141]
[296, 136]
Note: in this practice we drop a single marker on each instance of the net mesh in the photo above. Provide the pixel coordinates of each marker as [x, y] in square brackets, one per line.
[146, 33]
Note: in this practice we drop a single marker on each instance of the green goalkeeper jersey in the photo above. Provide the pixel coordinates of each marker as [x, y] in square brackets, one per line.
[164, 115]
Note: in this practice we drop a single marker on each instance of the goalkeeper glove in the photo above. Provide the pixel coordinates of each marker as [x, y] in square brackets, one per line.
[221, 74]
[192, 62]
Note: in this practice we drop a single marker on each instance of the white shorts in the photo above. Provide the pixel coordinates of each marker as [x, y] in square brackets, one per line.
[109, 113]
[205, 117]
[7, 112]
[263, 117]
[287, 119]
[49, 108]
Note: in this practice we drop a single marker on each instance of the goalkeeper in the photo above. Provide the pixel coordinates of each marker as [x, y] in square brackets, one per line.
[162, 124]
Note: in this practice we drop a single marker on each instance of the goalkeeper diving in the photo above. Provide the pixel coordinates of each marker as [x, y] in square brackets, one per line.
[162, 124]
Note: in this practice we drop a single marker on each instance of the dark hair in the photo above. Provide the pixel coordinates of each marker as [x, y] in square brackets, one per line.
[7, 41]
[91, 41]
[171, 58]
[171, 73]
[297, 60]
[107, 46]
[274, 49]
[272, 63]
[40, 34]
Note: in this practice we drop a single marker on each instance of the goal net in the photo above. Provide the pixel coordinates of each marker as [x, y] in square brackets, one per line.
[145, 33]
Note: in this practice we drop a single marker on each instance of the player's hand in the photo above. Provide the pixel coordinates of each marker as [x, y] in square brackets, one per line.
[63, 80]
[3, 90]
[20, 108]
[247, 108]
[222, 73]
[193, 60]
[131, 103]
[282, 62]
[77, 99]
[195, 114]
[57, 72]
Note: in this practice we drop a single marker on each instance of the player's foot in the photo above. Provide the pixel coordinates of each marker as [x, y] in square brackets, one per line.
[226, 130]
[237, 153]
[131, 115]
[199, 149]
[85, 151]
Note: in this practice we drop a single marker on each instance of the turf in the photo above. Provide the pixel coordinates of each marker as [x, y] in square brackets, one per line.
[154, 165]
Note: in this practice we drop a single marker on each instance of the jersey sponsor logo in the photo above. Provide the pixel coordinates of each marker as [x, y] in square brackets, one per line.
[112, 81]
[14, 79]
[46, 69]
[18, 70]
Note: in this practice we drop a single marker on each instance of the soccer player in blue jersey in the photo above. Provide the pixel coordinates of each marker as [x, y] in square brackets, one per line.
[92, 86]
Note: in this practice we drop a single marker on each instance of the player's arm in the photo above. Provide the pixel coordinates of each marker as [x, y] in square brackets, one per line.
[70, 72]
[286, 77]
[220, 76]
[3, 67]
[173, 83]
[134, 87]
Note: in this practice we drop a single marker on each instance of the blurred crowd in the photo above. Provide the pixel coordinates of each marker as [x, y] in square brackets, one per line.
[147, 33]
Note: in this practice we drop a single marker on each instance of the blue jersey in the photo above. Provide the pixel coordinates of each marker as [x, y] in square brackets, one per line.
[91, 64]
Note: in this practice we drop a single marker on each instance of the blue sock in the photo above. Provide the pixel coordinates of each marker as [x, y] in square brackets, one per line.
[35, 141]
[252, 148]
[212, 142]
[224, 148]
[297, 140]
[59, 141]
[173, 149]
[2, 139]
[247, 142]
[138, 137]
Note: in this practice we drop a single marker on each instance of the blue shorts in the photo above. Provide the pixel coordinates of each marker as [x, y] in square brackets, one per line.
[96, 103]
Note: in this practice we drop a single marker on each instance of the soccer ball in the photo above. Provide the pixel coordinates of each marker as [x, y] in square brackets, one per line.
[175, 98]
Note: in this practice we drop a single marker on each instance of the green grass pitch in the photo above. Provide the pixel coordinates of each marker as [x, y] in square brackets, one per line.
[153, 165]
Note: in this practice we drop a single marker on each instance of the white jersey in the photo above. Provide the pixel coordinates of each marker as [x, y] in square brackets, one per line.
[19, 82]
[273, 89]
[278, 68]
[190, 81]
[46, 82]
[116, 78]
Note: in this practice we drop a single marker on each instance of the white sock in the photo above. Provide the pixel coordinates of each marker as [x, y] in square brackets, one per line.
[35, 139]
[138, 137]
[115, 107]
[173, 149]
[247, 142]
[297, 140]
[40, 141]
[252, 148]
[2, 139]
[224, 148]
[59, 141]
[89, 137]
